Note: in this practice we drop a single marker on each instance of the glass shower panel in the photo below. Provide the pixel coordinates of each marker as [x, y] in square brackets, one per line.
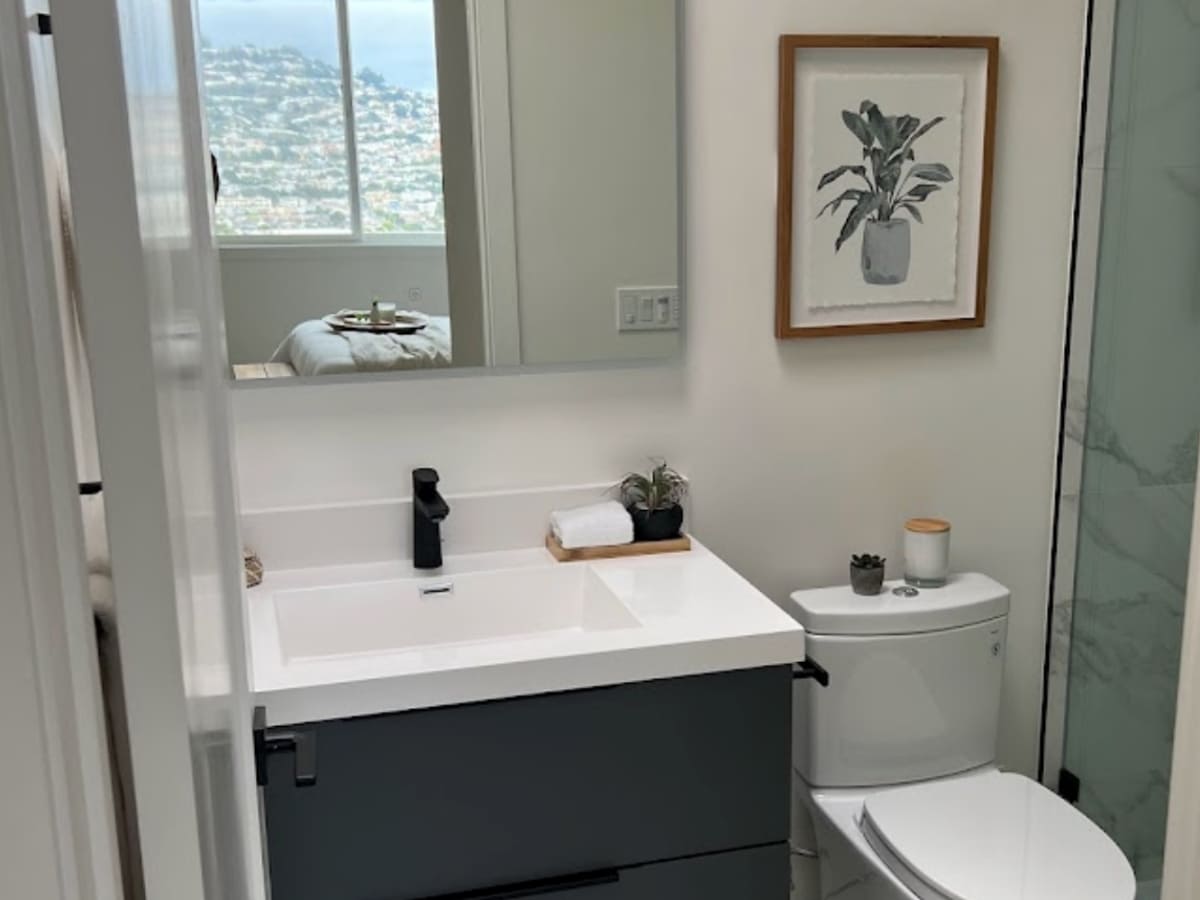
[1143, 412]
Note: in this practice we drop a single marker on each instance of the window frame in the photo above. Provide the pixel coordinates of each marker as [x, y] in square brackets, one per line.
[355, 236]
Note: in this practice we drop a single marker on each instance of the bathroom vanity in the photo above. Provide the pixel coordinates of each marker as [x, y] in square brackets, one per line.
[674, 788]
[516, 727]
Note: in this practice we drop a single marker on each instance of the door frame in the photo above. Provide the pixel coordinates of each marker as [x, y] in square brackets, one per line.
[147, 265]
[1181, 864]
[57, 709]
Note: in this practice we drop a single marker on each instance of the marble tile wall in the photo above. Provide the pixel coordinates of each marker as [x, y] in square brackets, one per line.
[1124, 666]
[1130, 448]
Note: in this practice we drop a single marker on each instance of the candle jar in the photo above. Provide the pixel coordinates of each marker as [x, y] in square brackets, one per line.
[383, 313]
[926, 552]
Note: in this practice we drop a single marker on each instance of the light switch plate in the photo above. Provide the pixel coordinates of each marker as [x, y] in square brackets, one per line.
[648, 309]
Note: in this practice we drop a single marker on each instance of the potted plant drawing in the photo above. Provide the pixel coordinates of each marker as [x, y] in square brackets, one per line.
[653, 501]
[866, 574]
[894, 186]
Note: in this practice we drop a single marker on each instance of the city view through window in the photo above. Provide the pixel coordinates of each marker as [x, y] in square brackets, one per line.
[274, 93]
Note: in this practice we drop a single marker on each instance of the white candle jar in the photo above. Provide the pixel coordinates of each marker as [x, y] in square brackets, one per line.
[383, 313]
[927, 552]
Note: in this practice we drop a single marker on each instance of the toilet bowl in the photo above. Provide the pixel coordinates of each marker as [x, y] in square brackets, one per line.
[897, 757]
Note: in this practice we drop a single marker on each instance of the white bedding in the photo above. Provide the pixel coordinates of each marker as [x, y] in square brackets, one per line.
[313, 348]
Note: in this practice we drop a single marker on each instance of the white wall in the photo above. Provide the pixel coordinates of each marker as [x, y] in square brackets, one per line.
[268, 291]
[595, 171]
[800, 452]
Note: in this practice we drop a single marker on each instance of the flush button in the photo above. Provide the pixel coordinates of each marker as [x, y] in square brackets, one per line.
[905, 591]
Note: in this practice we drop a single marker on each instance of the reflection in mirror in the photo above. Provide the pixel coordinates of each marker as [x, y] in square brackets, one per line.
[422, 184]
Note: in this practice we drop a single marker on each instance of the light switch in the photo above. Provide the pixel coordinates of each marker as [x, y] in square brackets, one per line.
[648, 309]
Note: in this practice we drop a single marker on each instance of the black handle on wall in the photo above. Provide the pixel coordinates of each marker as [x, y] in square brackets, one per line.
[267, 741]
[537, 888]
[810, 668]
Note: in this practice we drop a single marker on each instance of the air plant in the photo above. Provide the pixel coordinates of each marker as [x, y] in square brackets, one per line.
[661, 489]
[890, 188]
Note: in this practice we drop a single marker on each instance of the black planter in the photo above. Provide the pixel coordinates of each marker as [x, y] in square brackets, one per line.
[656, 524]
[867, 582]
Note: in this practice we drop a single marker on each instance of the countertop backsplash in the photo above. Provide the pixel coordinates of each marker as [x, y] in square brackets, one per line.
[379, 531]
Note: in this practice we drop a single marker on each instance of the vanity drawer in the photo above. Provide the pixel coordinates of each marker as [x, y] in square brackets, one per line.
[433, 802]
[758, 874]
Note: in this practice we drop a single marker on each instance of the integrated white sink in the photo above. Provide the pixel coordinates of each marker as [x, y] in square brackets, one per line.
[334, 642]
[412, 613]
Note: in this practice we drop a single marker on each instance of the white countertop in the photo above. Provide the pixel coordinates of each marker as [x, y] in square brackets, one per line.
[695, 615]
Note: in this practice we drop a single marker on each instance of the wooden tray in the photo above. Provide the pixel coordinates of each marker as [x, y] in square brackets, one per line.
[681, 544]
[360, 320]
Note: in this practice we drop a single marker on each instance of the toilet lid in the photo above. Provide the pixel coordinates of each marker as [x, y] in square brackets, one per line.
[995, 836]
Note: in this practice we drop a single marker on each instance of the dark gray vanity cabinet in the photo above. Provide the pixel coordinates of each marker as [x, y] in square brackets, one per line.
[664, 789]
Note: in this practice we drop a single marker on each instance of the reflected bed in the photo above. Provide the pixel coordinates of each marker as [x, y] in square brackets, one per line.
[313, 348]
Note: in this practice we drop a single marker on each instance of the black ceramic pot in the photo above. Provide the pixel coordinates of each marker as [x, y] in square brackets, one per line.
[656, 524]
[867, 582]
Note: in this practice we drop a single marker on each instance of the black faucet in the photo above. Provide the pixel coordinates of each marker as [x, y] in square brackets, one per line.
[429, 509]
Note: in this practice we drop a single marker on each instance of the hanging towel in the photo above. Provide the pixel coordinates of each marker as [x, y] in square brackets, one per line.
[602, 525]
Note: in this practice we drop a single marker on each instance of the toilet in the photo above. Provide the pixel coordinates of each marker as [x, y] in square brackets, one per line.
[897, 757]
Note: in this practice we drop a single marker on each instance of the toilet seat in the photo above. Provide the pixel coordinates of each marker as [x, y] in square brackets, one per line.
[993, 836]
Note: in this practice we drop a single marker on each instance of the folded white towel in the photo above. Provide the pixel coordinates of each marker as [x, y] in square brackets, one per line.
[601, 525]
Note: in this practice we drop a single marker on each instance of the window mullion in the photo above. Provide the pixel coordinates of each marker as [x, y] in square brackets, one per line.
[343, 20]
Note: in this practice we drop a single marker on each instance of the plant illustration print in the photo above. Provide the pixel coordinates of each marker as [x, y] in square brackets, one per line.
[895, 185]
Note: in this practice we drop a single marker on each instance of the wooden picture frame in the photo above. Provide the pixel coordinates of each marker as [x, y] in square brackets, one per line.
[893, 64]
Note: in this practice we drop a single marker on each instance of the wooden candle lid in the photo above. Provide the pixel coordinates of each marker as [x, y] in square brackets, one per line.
[927, 526]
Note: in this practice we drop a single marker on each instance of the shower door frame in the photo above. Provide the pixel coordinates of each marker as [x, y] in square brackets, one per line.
[1181, 865]
[1100, 25]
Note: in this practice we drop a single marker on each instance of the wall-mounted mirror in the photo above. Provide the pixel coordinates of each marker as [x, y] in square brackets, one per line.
[408, 185]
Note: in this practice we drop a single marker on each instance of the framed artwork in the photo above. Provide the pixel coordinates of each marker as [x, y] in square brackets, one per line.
[886, 147]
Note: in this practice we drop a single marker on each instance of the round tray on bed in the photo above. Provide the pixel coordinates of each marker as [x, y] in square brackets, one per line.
[360, 320]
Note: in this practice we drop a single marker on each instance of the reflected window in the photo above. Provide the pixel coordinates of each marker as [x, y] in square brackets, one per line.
[323, 116]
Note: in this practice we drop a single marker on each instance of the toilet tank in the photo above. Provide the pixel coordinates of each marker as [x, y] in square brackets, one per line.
[914, 682]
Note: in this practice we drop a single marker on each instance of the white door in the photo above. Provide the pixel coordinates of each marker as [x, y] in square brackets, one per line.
[138, 169]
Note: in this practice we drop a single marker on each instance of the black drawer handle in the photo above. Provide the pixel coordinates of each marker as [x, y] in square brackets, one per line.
[810, 668]
[268, 741]
[538, 888]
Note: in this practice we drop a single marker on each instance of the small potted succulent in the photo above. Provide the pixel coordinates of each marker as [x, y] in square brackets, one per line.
[653, 501]
[866, 574]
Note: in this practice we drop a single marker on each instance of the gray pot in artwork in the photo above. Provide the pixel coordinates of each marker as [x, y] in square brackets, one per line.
[886, 251]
